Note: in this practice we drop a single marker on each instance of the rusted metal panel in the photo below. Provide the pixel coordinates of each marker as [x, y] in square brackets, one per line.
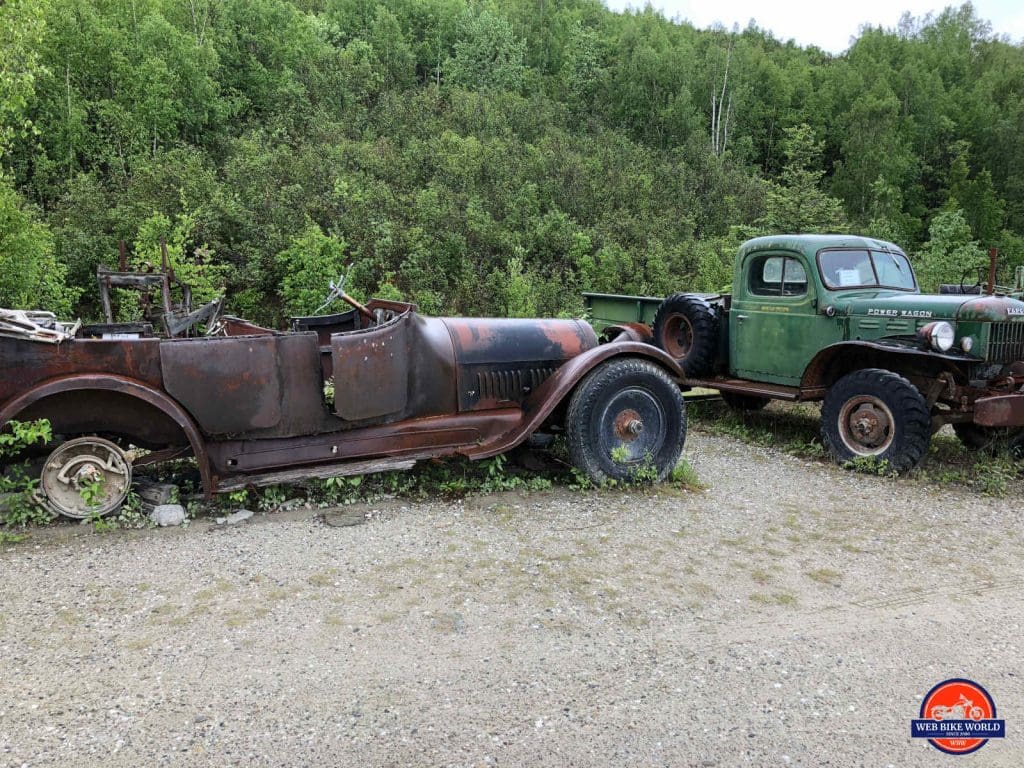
[501, 362]
[229, 385]
[25, 364]
[1000, 411]
[371, 371]
[442, 434]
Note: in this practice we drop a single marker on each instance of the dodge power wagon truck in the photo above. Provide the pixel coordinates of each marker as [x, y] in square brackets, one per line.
[840, 319]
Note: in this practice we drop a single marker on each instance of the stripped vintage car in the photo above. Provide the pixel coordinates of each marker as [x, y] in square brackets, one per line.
[252, 405]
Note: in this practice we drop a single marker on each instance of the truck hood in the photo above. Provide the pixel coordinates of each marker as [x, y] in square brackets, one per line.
[931, 306]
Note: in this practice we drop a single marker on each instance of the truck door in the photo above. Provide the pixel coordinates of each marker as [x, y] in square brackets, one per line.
[774, 325]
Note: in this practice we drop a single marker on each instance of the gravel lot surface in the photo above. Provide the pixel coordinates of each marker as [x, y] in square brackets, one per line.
[791, 614]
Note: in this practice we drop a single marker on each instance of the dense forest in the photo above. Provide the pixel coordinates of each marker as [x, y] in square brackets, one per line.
[491, 157]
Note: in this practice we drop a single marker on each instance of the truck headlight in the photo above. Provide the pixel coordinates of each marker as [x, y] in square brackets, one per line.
[939, 335]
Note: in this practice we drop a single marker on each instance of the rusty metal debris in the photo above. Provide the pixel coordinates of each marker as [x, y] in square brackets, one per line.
[35, 326]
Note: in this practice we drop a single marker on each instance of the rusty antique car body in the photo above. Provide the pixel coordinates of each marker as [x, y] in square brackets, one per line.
[249, 402]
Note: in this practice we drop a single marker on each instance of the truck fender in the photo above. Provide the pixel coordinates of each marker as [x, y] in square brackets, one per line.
[557, 387]
[124, 386]
[819, 372]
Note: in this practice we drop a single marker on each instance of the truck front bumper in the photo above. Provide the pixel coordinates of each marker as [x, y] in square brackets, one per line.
[1000, 410]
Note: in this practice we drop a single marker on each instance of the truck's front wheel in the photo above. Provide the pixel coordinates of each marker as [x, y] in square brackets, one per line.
[626, 422]
[879, 414]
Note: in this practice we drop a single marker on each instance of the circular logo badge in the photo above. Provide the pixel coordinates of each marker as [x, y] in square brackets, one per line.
[957, 717]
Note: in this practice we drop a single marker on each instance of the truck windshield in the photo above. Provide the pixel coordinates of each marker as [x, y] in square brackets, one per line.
[866, 269]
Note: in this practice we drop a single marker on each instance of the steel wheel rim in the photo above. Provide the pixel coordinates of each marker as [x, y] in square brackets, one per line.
[678, 336]
[634, 420]
[866, 425]
[86, 461]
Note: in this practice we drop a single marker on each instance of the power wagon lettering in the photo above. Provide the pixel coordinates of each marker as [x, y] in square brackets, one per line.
[901, 312]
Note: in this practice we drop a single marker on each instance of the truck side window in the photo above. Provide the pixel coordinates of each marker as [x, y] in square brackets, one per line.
[777, 276]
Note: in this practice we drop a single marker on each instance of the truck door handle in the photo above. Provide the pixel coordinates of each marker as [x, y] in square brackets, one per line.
[740, 318]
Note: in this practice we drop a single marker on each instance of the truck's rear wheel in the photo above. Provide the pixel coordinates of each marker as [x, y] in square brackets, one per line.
[626, 421]
[686, 327]
[876, 413]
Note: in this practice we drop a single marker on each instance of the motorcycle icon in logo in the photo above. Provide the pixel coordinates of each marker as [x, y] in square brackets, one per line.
[958, 717]
[962, 710]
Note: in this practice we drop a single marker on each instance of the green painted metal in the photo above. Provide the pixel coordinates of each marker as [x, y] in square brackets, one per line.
[774, 327]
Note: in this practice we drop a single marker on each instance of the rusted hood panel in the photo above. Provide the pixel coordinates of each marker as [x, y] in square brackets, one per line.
[502, 361]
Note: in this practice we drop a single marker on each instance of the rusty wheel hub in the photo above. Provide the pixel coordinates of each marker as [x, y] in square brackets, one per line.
[678, 336]
[866, 425]
[628, 425]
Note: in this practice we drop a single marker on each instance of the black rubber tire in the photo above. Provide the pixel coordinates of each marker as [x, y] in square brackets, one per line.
[607, 404]
[740, 402]
[686, 327]
[991, 440]
[902, 444]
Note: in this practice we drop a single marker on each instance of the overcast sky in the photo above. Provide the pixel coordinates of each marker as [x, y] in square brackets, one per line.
[828, 25]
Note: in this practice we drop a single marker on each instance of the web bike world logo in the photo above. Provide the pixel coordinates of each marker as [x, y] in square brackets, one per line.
[957, 717]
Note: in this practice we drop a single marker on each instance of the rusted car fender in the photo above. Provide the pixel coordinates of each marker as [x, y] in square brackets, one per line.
[560, 385]
[124, 386]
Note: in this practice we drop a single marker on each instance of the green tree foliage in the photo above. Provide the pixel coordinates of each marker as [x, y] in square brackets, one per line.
[482, 158]
[30, 276]
[797, 202]
[487, 53]
[949, 252]
[307, 268]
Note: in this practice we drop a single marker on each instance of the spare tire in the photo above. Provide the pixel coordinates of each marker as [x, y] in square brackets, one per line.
[686, 327]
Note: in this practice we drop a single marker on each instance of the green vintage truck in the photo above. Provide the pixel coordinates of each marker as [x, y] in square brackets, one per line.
[840, 319]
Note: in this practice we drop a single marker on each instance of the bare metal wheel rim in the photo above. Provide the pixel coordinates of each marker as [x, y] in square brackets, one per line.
[85, 477]
[866, 425]
[633, 422]
[678, 337]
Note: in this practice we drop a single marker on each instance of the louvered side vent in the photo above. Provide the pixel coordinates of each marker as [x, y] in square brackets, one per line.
[1006, 342]
[510, 384]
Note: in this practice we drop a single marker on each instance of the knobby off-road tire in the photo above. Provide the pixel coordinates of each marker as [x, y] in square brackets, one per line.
[991, 440]
[626, 422]
[740, 402]
[876, 413]
[686, 327]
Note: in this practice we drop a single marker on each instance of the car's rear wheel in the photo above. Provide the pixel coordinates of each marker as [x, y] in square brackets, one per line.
[874, 413]
[626, 422]
[85, 477]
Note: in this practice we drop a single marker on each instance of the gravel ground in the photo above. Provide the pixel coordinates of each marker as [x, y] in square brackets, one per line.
[791, 614]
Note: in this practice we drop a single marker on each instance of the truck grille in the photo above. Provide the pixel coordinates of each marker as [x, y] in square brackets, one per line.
[1006, 342]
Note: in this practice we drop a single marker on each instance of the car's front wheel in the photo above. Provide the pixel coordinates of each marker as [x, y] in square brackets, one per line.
[626, 422]
[874, 413]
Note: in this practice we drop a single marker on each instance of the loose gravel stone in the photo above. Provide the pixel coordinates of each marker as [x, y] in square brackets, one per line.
[168, 514]
[235, 517]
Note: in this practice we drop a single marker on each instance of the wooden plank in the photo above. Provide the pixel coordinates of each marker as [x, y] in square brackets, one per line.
[318, 472]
